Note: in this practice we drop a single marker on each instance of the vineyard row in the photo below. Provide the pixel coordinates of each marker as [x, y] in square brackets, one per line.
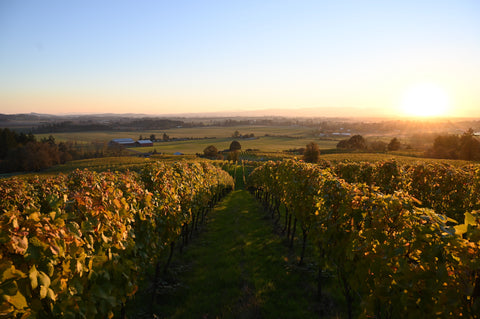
[393, 256]
[78, 245]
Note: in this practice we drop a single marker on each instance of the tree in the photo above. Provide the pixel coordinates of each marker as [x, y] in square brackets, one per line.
[235, 146]
[65, 155]
[311, 153]
[466, 146]
[8, 141]
[394, 144]
[469, 146]
[153, 138]
[236, 134]
[342, 144]
[446, 146]
[50, 140]
[165, 137]
[24, 138]
[356, 142]
[210, 151]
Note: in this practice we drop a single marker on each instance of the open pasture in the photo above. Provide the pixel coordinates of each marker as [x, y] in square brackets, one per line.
[183, 132]
[264, 143]
[267, 138]
[228, 131]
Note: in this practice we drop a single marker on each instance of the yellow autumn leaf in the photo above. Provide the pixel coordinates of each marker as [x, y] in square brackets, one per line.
[33, 273]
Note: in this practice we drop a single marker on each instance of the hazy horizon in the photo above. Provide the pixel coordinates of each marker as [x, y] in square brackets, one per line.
[411, 58]
[329, 114]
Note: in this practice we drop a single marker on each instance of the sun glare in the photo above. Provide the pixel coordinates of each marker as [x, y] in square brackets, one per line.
[425, 100]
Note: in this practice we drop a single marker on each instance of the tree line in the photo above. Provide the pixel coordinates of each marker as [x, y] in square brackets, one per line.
[113, 124]
[20, 152]
[451, 146]
[358, 142]
[447, 146]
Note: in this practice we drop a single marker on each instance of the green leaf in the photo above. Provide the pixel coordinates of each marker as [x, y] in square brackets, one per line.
[451, 220]
[8, 271]
[43, 279]
[33, 274]
[18, 301]
[99, 292]
[50, 269]
[469, 219]
[460, 229]
[34, 216]
[8, 287]
[74, 228]
[43, 292]
[51, 294]
[79, 267]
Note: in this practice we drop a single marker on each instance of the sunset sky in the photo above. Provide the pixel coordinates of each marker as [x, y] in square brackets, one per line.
[166, 57]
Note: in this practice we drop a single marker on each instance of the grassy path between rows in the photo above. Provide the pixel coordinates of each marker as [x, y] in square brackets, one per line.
[237, 268]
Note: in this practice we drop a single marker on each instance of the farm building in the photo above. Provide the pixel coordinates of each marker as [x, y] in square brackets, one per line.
[127, 142]
[143, 143]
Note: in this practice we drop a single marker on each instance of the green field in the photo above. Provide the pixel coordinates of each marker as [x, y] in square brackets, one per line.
[264, 143]
[270, 142]
[221, 131]
[89, 137]
[196, 132]
[268, 138]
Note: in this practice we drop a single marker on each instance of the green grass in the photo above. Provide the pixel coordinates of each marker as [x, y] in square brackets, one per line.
[238, 268]
[222, 131]
[221, 137]
[264, 144]
[94, 136]
[277, 141]
[376, 157]
[200, 132]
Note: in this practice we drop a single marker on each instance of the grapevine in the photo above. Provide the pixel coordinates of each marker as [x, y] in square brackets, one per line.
[391, 257]
[77, 245]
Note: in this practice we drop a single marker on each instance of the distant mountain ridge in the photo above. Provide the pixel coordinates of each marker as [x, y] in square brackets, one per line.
[306, 112]
[323, 112]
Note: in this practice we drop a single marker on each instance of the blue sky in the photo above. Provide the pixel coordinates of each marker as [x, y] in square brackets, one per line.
[197, 56]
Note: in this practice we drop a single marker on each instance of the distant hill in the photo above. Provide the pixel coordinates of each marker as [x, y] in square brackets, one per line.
[321, 112]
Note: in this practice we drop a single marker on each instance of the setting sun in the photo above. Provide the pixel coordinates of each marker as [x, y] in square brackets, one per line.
[425, 100]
